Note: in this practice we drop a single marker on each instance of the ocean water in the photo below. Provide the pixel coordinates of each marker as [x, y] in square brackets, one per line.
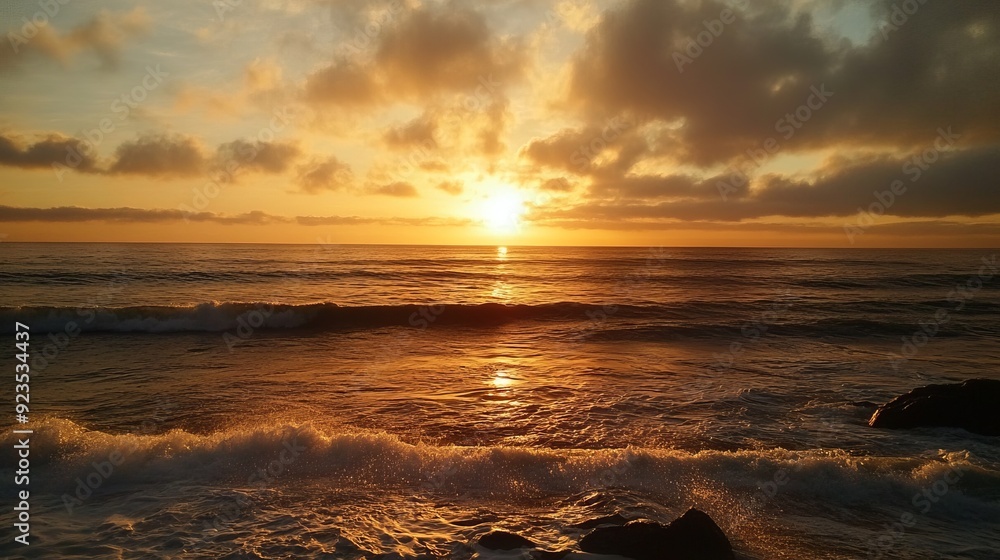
[264, 401]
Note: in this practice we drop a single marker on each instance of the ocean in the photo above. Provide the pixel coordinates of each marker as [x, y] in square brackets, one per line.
[395, 402]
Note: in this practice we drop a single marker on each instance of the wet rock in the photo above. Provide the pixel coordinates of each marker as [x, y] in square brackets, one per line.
[693, 536]
[504, 540]
[973, 405]
[615, 519]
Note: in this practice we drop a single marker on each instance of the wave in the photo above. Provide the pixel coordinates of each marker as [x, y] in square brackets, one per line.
[67, 451]
[691, 319]
[223, 316]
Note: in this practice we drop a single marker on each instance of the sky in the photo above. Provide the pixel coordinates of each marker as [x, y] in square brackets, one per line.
[828, 123]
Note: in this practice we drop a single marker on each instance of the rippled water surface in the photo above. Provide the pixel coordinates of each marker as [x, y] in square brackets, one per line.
[407, 399]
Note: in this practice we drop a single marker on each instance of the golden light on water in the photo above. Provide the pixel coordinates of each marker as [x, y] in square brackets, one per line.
[502, 379]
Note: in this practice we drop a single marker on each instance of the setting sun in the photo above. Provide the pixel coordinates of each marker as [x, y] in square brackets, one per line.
[502, 210]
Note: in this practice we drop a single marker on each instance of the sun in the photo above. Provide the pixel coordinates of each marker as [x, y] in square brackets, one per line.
[502, 210]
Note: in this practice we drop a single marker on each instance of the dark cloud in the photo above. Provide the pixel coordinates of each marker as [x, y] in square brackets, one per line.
[962, 230]
[448, 48]
[557, 151]
[265, 157]
[167, 156]
[328, 174]
[660, 187]
[419, 54]
[956, 184]
[160, 156]
[344, 84]
[417, 133]
[733, 94]
[579, 151]
[44, 153]
[771, 81]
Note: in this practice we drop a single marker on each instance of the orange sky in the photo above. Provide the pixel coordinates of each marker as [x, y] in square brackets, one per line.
[667, 122]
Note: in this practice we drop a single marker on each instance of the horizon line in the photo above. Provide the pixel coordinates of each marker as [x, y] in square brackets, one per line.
[507, 245]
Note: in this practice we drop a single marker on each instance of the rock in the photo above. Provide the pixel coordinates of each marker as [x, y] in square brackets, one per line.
[503, 540]
[693, 536]
[615, 519]
[973, 405]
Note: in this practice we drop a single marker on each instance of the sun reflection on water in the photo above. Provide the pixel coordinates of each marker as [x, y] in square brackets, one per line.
[502, 379]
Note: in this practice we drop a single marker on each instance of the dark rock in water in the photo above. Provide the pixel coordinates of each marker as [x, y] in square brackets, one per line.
[692, 536]
[973, 405]
[503, 540]
[615, 519]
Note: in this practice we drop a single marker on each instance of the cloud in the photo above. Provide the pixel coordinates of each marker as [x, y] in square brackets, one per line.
[562, 150]
[449, 48]
[105, 35]
[344, 84]
[160, 156]
[129, 215]
[732, 94]
[154, 155]
[960, 183]
[663, 187]
[400, 189]
[44, 153]
[329, 174]
[773, 74]
[70, 214]
[418, 132]
[264, 157]
[558, 184]
[427, 52]
[961, 230]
